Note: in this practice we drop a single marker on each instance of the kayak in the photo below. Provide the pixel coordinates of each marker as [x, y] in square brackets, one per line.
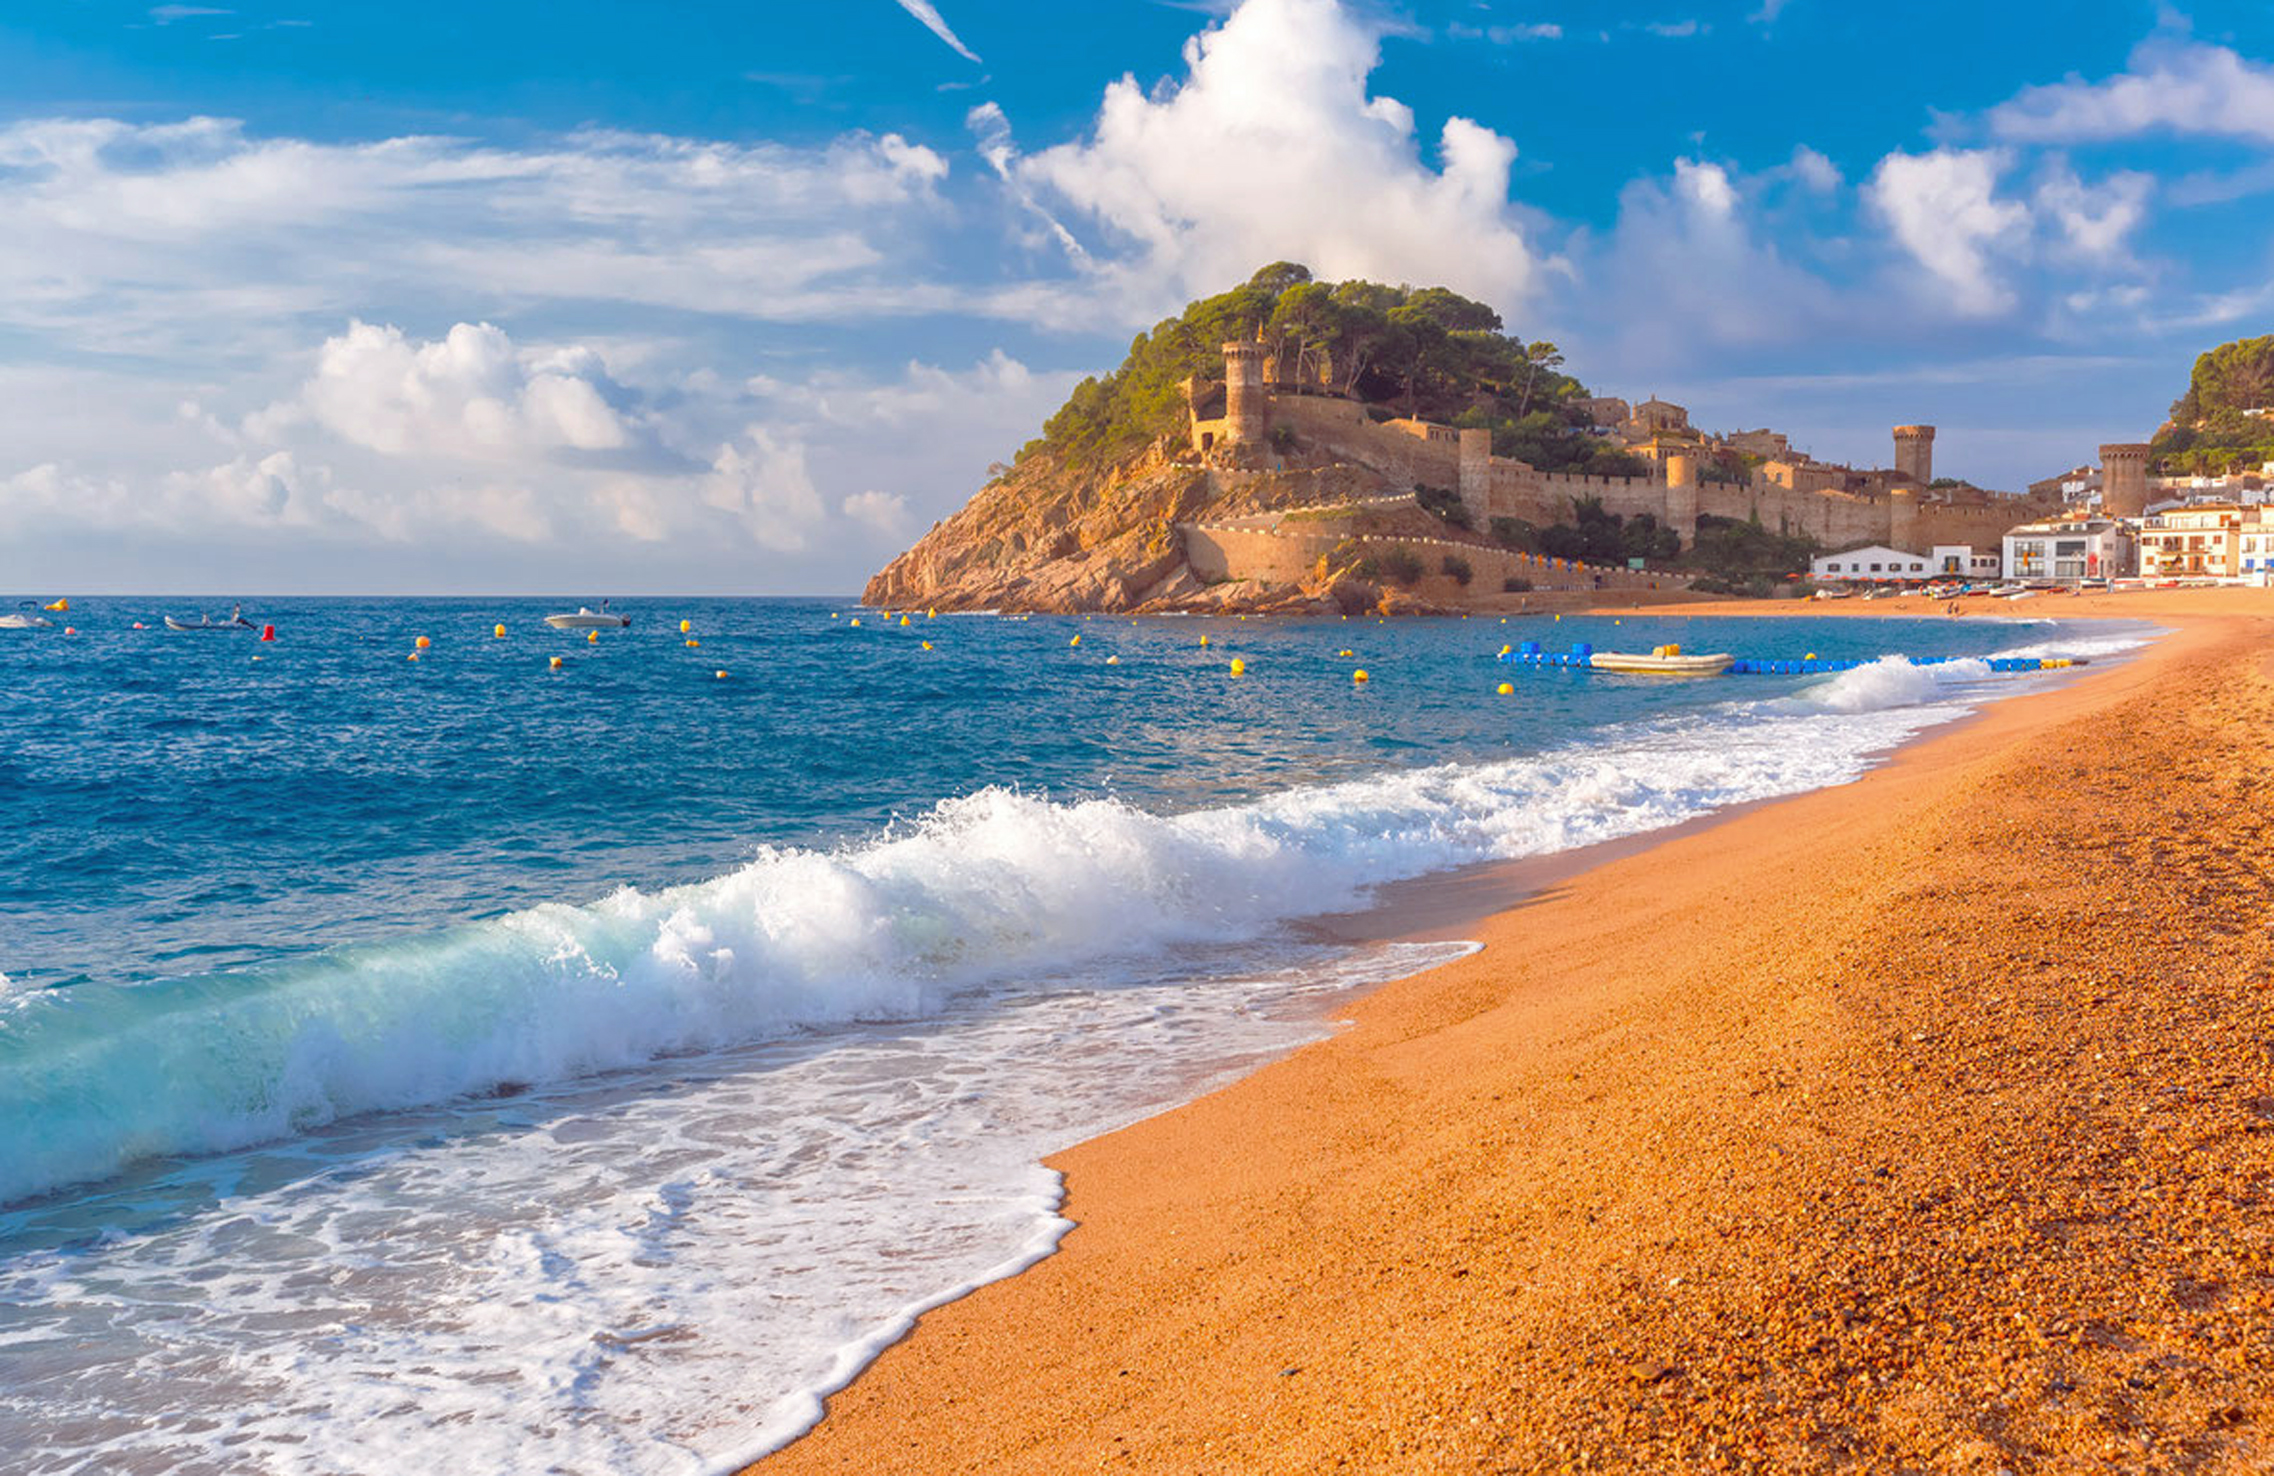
[206, 623]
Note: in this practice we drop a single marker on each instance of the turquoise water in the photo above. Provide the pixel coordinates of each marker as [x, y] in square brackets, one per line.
[366, 1018]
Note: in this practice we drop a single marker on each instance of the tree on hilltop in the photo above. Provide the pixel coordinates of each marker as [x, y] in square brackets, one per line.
[1428, 350]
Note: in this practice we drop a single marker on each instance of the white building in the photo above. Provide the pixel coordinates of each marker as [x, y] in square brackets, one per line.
[1964, 561]
[1879, 562]
[2071, 550]
[1875, 562]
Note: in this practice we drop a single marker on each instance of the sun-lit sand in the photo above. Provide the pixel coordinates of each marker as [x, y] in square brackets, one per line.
[1925, 1123]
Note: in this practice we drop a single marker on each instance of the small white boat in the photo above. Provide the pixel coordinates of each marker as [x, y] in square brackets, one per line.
[25, 622]
[1662, 661]
[205, 622]
[586, 618]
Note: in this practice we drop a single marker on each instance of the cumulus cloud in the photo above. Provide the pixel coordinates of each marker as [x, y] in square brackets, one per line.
[2096, 221]
[1943, 209]
[1701, 247]
[887, 512]
[2170, 85]
[469, 394]
[1271, 147]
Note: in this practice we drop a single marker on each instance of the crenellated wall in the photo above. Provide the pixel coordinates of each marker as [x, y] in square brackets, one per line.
[1834, 505]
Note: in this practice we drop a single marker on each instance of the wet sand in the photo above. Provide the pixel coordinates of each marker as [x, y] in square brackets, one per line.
[1926, 1123]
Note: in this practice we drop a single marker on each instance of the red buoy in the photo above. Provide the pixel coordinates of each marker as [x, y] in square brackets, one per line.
[268, 632]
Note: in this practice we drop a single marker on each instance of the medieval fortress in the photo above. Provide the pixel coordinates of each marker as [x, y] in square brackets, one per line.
[1256, 411]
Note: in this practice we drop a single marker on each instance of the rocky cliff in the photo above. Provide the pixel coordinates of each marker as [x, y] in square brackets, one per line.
[1048, 538]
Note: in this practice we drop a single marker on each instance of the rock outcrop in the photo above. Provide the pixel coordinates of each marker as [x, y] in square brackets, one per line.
[1047, 537]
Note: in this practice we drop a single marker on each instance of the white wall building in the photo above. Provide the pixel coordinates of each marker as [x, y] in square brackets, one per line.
[2095, 549]
[1875, 562]
[1879, 562]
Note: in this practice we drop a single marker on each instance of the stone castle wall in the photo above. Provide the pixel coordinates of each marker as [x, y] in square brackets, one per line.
[1289, 555]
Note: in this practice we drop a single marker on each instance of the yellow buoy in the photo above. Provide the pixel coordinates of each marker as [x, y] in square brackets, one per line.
[592, 637]
[63, 604]
[692, 643]
[927, 645]
[499, 632]
[422, 643]
[856, 620]
[556, 663]
[903, 620]
[1360, 675]
[1075, 641]
[718, 676]
[1239, 667]
[414, 655]
[931, 614]
[1811, 656]
[1113, 660]
[1504, 650]
[685, 626]
[1505, 688]
[1204, 640]
[1346, 652]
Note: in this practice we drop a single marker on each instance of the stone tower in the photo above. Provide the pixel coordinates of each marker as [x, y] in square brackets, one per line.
[1914, 454]
[1682, 495]
[1476, 476]
[1903, 520]
[1246, 411]
[2124, 480]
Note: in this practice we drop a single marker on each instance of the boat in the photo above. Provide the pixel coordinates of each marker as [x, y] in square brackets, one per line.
[587, 618]
[25, 622]
[236, 621]
[1662, 661]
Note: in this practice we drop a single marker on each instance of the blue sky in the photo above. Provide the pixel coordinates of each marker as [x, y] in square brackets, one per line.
[616, 297]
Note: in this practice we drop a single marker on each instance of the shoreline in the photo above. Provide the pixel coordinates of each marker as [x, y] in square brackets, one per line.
[1206, 1236]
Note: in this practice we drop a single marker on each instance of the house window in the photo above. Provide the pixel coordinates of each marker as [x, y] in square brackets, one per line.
[1875, 568]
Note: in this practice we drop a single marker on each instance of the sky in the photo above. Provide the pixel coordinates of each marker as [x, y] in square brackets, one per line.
[593, 296]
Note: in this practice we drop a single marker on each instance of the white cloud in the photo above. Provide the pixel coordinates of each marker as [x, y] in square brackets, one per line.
[929, 14]
[1272, 148]
[1701, 248]
[469, 394]
[1943, 209]
[2172, 84]
[2095, 221]
[1675, 30]
[1814, 170]
[887, 512]
[195, 236]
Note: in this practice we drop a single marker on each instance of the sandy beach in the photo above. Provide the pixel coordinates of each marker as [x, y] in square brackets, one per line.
[1925, 1123]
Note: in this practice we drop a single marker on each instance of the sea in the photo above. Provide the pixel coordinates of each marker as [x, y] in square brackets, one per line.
[583, 1055]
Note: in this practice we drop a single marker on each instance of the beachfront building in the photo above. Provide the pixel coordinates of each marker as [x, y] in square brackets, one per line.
[2203, 541]
[1873, 562]
[1964, 561]
[2071, 549]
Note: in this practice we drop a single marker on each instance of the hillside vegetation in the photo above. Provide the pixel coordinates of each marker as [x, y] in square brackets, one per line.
[2211, 429]
[1425, 351]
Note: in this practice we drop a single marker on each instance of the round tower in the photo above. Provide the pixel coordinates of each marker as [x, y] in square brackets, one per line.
[1903, 520]
[1682, 495]
[2124, 480]
[1914, 454]
[1245, 408]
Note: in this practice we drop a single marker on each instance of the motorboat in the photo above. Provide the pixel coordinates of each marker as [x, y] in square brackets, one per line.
[1662, 661]
[25, 622]
[587, 618]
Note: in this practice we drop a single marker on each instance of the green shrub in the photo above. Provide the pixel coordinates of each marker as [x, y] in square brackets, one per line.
[1516, 533]
[1459, 569]
[1400, 566]
[1516, 584]
[1444, 502]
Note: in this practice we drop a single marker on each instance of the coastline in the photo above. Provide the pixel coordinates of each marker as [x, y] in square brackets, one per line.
[1536, 1203]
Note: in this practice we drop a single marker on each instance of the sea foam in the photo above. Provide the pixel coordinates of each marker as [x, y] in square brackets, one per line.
[983, 890]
